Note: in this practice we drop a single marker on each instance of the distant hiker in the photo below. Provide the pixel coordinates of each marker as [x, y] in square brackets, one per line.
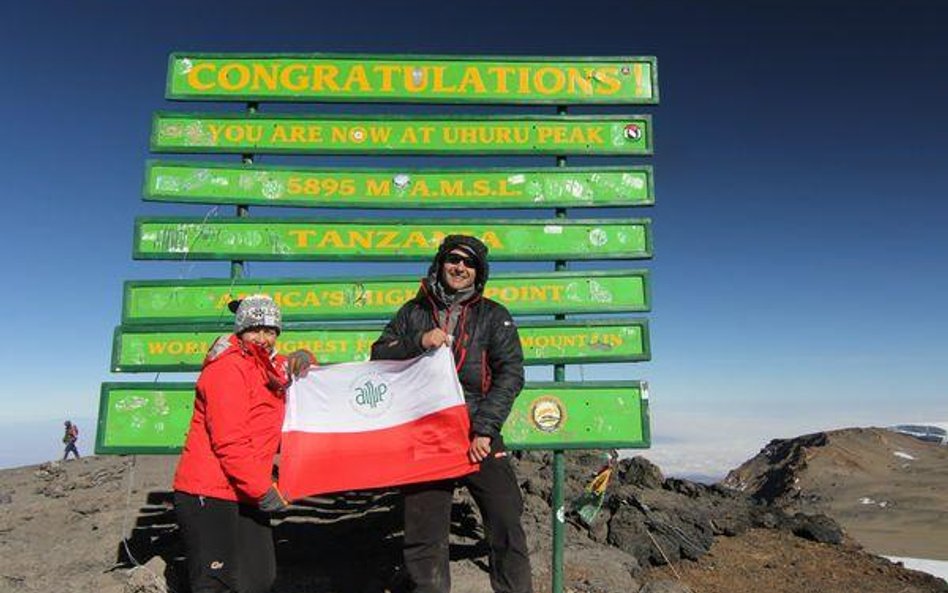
[70, 436]
[224, 485]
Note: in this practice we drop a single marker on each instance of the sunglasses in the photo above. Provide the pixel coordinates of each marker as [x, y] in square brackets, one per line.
[457, 258]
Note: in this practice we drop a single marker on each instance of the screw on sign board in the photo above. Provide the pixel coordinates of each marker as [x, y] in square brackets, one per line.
[168, 324]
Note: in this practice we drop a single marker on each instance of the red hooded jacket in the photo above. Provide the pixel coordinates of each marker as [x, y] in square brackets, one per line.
[235, 430]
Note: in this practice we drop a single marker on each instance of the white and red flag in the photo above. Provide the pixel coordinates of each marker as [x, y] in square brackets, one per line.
[374, 424]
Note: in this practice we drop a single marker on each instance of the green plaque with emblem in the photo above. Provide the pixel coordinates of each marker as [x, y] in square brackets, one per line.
[153, 418]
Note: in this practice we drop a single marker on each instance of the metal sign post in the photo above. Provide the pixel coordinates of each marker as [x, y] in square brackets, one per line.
[559, 457]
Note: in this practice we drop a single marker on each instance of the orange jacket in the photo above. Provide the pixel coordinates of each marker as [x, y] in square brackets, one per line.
[236, 426]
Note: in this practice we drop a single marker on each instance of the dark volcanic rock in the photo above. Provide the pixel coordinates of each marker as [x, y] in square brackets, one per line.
[653, 519]
[640, 472]
[627, 531]
[818, 528]
[772, 473]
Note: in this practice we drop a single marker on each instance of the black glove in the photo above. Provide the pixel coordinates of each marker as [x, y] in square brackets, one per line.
[273, 500]
[299, 362]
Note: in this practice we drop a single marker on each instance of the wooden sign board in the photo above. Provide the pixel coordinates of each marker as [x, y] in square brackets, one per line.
[144, 349]
[378, 297]
[262, 239]
[153, 418]
[574, 187]
[391, 134]
[411, 79]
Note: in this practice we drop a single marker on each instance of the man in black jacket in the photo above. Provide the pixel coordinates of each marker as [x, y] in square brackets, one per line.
[450, 309]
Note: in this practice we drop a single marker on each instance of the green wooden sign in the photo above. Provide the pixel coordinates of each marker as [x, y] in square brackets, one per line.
[429, 79]
[220, 183]
[146, 349]
[143, 418]
[368, 134]
[547, 293]
[589, 415]
[302, 239]
[153, 418]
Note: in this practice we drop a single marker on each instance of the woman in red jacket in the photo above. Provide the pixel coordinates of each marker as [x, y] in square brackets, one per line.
[223, 485]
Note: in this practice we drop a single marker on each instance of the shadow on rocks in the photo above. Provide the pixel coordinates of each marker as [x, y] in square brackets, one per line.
[352, 543]
[349, 543]
[155, 535]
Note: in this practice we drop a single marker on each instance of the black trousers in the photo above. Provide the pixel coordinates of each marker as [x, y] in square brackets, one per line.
[70, 448]
[428, 523]
[229, 546]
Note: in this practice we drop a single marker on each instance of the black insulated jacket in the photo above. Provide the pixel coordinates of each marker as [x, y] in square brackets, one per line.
[487, 351]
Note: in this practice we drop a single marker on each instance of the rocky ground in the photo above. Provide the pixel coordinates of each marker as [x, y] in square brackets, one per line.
[889, 491]
[105, 524]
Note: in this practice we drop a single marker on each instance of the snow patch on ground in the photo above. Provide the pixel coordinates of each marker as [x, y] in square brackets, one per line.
[938, 568]
[903, 455]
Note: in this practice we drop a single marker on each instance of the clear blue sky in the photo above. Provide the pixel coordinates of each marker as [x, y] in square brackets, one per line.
[801, 249]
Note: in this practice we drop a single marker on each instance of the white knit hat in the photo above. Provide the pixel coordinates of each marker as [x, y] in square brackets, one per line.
[256, 310]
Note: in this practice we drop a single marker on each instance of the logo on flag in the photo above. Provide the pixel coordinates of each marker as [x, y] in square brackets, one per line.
[370, 395]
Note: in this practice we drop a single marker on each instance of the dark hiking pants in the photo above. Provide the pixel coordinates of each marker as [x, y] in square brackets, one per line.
[70, 448]
[229, 545]
[428, 522]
